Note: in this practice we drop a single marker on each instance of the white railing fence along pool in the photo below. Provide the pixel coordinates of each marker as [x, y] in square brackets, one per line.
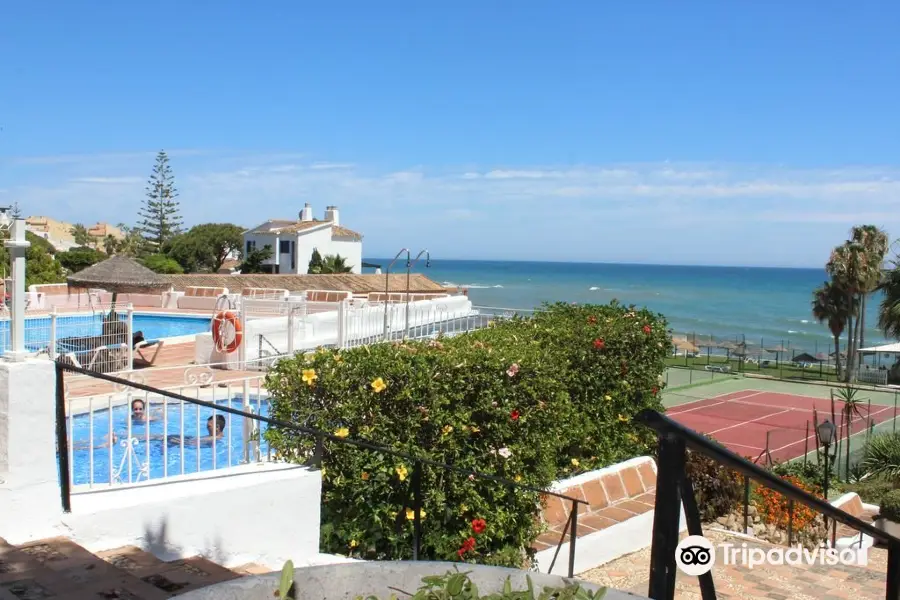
[100, 341]
[128, 436]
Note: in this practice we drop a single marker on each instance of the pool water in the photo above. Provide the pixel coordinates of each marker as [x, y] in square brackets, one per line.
[144, 459]
[153, 326]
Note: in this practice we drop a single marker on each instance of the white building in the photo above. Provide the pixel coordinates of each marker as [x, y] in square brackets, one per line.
[293, 242]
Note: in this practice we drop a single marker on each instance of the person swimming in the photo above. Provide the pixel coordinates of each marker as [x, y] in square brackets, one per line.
[86, 444]
[214, 427]
[139, 412]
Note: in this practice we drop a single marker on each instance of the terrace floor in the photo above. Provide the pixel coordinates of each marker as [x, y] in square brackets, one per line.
[174, 363]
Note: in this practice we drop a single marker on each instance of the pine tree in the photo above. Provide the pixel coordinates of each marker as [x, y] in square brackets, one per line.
[161, 214]
[315, 262]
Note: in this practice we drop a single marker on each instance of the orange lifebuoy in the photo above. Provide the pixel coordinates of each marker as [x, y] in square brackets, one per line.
[222, 322]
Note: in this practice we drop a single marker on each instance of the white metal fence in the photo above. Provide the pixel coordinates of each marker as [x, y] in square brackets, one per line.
[128, 436]
[99, 341]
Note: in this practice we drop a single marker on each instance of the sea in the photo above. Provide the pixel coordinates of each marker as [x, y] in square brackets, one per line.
[766, 306]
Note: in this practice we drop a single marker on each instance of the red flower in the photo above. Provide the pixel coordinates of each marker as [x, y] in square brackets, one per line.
[647, 329]
[592, 319]
[514, 415]
[479, 525]
[655, 391]
[599, 344]
[467, 546]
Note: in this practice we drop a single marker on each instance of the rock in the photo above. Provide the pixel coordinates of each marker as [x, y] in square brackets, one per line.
[752, 511]
[722, 521]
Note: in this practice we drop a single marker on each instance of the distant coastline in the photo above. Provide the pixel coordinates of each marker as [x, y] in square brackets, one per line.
[760, 303]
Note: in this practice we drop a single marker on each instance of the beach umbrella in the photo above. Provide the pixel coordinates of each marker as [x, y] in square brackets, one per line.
[119, 275]
[685, 346]
[805, 358]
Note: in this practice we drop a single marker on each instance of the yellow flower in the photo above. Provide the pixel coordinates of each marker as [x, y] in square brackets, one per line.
[309, 376]
[623, 418]
[575, 462]
[378, 385]
[338, 358]
[447, 429]
[474, 429]
[607, 398]
[354, 543]
[322, 471]
[463, 508]
[342, 432]
[632, 437]
[411, 514]
[402, 472]
[517, 478]
[365, 476]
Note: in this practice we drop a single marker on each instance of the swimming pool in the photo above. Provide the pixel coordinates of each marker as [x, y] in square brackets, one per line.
[148, 455]
[153, 326]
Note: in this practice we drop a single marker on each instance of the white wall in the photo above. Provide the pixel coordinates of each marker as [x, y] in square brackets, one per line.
[349, 249]
[30, 504]
[320, 238]
[253, 513]
[263, 239]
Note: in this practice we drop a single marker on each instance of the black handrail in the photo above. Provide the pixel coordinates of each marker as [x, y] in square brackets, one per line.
[320, 435]
[674, 487]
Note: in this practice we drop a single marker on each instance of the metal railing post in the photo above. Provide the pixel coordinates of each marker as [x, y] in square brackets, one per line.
[62, 441]
[573, 535]
[695, 527]
[746, 504]
[790, 522]
[53, 333]
[892, 585]
[129, 320]
[666, 517]
[417, 509]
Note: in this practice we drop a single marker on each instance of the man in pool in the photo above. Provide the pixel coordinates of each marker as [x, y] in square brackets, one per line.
[86, 444]
[216, 431]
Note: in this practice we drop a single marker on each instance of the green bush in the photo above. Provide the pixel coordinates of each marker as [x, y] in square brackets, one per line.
[811, 474]
[882, 455]
[530, 400]
[871, 489]
[890, 506]
[718, 489]
[160, 263]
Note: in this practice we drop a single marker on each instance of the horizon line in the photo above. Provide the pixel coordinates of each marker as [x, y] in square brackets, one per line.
[626, 263]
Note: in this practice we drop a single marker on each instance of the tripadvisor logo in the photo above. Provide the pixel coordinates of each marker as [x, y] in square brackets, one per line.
[695, 555]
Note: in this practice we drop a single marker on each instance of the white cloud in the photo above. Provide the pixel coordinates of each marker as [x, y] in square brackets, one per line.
[574, 201]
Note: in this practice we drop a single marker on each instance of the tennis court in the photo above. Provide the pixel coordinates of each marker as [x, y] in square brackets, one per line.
[774, 420]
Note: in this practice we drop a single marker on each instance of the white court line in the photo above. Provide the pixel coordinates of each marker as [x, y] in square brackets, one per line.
[741, 445]
[679, 412]
[813, 435]
[742, 423]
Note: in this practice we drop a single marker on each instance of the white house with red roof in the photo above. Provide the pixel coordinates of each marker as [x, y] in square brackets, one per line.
[293, 242]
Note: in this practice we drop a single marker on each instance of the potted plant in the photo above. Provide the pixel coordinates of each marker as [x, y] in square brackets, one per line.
[888, 519]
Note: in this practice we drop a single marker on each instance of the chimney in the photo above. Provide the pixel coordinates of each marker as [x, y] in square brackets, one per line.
[306, 213]
[331, 214]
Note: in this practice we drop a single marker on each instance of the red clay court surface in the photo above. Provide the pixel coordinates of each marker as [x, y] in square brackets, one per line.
[743, 420]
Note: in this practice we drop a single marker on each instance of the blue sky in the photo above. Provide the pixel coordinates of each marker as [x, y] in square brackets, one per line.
[748, 133]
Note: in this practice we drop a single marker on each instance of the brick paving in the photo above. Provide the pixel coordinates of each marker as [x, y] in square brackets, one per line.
[819, 582]
[59, 568]
[174, 362]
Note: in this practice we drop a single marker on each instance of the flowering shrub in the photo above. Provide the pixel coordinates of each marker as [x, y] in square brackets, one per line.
[774, 508]
[718, 489]
[529, 400]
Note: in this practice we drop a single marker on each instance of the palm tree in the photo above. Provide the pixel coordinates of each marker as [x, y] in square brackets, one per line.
[875, 242]
[889, 310]
[848, 269]
[335, 264]
[852, 404]
[110, 243]
[830, 306]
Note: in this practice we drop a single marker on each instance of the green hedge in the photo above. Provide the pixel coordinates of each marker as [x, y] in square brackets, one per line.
[530, 400]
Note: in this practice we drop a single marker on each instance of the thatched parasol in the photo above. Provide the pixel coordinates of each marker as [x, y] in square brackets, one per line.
[685, 346]
[119, 275]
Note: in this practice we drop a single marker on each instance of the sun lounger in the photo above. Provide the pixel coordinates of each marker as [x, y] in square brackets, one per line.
[718, 368]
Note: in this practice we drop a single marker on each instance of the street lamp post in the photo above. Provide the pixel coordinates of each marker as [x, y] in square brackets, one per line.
[826, 431]
[409, 266]
[387, 292]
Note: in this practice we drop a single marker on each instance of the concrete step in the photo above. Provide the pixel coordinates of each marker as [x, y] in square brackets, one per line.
[58, 567]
